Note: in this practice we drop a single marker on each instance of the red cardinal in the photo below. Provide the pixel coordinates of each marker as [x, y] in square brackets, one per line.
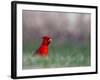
[43, 49]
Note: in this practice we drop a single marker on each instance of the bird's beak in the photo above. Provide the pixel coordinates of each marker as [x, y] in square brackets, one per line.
[50, 40]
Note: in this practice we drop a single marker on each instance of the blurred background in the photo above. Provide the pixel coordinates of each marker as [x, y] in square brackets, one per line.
[71, 38]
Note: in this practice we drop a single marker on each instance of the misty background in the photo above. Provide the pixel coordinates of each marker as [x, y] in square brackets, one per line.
[69, 31]
[60, 26]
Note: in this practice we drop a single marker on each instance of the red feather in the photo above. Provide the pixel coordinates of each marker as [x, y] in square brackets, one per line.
[43, 49]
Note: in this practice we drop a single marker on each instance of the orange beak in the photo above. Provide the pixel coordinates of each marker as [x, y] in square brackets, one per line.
[50, 40]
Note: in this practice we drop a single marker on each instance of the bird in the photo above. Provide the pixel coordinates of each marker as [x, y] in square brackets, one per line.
[42, 51]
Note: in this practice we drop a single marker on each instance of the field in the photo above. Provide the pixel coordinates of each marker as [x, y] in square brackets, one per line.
[67, 54]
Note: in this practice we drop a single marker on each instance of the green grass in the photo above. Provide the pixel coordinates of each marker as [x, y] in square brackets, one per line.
[64, 55]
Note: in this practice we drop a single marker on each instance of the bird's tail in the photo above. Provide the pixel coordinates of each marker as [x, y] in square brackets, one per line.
[34, 53]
